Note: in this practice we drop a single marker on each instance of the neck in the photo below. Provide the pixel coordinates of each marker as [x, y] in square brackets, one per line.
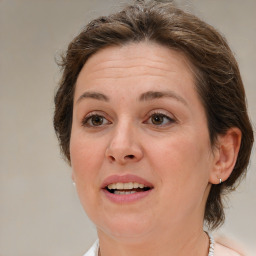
[177, 242]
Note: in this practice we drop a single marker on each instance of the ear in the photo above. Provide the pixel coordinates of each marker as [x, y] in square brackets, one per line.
[73, 176]
[225, 155]
[73, 179]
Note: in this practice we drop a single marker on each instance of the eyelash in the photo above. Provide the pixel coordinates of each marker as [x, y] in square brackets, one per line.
[89, 117]
[86, 121]
[169, 120]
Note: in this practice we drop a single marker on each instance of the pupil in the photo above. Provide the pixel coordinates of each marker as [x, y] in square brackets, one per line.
[157, 119]
[97, 120]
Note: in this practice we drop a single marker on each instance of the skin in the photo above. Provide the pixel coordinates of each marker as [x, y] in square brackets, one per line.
[175, 156]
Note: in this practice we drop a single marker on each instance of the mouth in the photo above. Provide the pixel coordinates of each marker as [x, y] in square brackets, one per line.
[126, 188]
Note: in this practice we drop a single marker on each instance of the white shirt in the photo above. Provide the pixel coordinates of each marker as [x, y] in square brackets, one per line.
[219, 249]
[93, 251]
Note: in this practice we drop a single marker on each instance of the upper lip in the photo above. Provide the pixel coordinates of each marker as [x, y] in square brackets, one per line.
[124, 179]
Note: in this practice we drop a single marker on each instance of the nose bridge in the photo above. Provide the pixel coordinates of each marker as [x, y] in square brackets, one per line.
[123, 134]
[124, 143]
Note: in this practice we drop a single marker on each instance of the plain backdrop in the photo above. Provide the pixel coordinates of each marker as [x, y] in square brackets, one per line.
[40, 212]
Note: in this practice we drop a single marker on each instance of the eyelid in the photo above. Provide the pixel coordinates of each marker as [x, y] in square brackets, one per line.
[166, 114]
[169, 116]
[87, 117]
[161, 112]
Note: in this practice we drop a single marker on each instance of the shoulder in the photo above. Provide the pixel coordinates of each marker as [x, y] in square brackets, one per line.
[224, 250]
[93, 251]
[226, 246]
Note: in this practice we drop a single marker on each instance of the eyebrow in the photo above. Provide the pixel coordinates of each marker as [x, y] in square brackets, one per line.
[93, 95]
[152, 95]
[147, 96]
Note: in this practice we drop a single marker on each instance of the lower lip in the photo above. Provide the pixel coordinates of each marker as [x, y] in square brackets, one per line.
[126, 198]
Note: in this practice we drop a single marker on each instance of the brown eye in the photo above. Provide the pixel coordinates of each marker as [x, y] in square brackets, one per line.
[157, 119]
[96, 120]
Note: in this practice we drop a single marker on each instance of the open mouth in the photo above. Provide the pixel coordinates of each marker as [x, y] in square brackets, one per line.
[126, 188]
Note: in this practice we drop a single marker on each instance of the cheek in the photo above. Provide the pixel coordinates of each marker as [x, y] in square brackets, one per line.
[85, 157]
[181, 159]
[86, 164]
[181, 165]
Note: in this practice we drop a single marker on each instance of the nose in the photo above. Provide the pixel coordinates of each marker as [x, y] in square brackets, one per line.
[124, 146]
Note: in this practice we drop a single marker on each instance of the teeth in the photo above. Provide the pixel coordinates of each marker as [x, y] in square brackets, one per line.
[136, 185]
[141, 186]
[117, 192]
[128, 185]
[119, 186]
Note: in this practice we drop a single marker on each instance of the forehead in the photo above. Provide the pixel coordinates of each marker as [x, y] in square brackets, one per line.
[134, 62]
[134, 57]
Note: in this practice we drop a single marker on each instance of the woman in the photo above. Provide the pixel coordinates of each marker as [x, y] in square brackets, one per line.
[151, 115]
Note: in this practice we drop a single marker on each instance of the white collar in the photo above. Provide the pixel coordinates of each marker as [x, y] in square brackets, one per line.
[93, 251]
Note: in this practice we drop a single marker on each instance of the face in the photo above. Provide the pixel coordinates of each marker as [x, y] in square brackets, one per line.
[140, 148]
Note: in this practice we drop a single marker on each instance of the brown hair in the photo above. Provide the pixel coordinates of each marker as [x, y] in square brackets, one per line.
[217, 75]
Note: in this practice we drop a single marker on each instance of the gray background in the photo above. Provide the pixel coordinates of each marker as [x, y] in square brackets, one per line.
[40, 212]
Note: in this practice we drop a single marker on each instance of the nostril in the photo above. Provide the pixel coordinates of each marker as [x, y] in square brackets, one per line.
[112, 158]
[130, 156]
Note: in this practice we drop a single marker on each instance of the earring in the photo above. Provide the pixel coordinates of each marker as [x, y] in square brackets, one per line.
[220, 181]
[74, 184]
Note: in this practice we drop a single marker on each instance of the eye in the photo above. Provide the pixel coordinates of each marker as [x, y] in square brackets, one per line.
[94, 120]
[160, 119]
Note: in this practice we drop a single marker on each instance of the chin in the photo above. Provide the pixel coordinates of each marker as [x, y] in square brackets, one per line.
[125, 228]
